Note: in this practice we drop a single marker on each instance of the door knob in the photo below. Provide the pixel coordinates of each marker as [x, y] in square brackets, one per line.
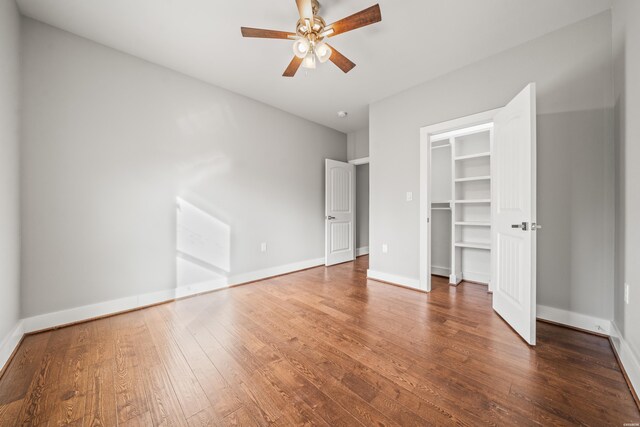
[535, 226]
[523, 226]
[331, 217]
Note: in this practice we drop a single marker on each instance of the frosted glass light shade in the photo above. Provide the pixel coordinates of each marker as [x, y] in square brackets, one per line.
[301, 47]
[323, 51]
[309, 61]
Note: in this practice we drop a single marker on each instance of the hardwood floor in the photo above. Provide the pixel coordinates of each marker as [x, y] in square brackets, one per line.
[323, 346]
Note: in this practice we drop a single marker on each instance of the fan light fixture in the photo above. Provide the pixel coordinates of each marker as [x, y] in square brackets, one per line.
[311, 31]
[301, 47]
[309, 61]
[323, 52]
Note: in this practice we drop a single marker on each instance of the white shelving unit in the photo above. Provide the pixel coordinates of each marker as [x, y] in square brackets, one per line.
[471, 212]
[474, 178]
[473, 156]
[461, 196]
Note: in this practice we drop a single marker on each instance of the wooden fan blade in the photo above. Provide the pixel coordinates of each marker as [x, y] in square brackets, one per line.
[265, 34]
[357, 20]
[340, 60]
[293, 67]
[305, 9]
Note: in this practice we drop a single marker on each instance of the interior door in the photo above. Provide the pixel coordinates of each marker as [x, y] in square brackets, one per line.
[340, 209]
[514, 214]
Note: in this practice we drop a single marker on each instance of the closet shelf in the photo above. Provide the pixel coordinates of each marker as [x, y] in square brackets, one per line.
[474, 201]
[474, 178]
[473, 156]
[474, 223]
[440, 209]
[473, 245]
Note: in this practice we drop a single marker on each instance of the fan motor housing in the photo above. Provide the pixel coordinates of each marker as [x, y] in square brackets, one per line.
[317, 26]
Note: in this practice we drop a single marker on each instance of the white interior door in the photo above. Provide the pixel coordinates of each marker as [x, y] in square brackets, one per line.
[340, 210]
[514, 214]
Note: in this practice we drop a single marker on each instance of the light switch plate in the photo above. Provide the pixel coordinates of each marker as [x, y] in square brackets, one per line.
[409, 196]
[385, 248]
[263, 247]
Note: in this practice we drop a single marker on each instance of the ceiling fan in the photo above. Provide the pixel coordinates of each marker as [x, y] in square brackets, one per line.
[311, 31]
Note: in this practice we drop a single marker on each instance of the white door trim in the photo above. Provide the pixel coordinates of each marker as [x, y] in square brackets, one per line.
[425, 203]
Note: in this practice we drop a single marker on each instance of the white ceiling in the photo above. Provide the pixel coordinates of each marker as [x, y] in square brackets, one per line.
[416, 41]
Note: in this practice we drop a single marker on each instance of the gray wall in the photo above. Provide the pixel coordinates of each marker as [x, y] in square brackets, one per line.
[362, 206]
[109, 141]
[575, 159]
[358, 144]
[9, 161]
[626, 28]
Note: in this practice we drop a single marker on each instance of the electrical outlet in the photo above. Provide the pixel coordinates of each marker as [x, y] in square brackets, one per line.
[409, 196]
[263, 247]
[626, 293]
[385, 248]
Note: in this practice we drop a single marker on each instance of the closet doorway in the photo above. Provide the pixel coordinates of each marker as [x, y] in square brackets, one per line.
[478, 206]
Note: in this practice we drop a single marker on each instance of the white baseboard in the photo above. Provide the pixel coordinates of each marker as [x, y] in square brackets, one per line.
[274, 271]
[476, 277]
[362, 251]
[440, 271]
[78, 314]
[630, 361]
[392, 278]
[576, 320]
[10, 342]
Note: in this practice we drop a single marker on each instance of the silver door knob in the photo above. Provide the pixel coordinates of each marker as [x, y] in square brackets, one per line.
[331, 217]
[535, 226]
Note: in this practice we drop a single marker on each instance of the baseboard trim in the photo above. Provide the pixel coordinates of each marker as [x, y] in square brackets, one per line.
[267, 273]
[10, 344]
[75, 315]
[440, 271]
[393, 279]
[629, 362]
[481, 278]
[362, 251]
[575, 320]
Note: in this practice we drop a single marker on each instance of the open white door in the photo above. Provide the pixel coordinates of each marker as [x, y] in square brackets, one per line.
[514, 214]
[340, 210]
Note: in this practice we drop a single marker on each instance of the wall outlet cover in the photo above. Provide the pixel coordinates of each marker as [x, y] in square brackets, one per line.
[409, 196]
[263, 247]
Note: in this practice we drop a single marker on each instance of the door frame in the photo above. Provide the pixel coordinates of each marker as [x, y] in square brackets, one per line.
[359, 162]
[425, 182]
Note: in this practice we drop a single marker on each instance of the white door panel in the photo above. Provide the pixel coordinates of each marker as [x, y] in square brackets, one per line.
[340, 207]
[514, 212]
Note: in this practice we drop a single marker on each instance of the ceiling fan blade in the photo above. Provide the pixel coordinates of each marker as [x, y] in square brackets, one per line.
[265, 34]
[340, 60]
[305, 9]
[361, 19]
[293, 67]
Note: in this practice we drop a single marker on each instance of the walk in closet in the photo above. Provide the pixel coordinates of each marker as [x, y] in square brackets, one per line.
[460, 176]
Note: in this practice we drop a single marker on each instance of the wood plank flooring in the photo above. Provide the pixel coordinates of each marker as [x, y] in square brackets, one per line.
[319, 347]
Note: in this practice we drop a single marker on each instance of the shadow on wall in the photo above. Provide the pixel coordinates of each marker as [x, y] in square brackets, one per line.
[203, 248]
[575, 183]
